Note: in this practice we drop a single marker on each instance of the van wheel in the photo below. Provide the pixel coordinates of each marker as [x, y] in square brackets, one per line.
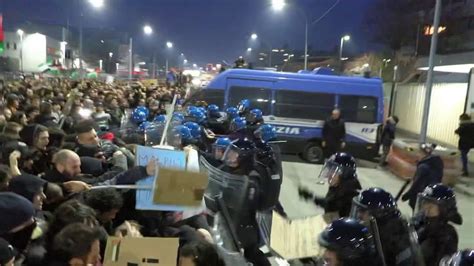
[313, 153]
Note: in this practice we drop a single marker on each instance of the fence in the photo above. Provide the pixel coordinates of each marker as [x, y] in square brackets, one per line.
[447, 103]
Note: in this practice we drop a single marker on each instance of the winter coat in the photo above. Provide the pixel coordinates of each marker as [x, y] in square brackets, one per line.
[428, 171]
[334, 132]
[388, 134]
[466, 135]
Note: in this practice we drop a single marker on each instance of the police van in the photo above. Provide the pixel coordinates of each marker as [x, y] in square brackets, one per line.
[297, 104]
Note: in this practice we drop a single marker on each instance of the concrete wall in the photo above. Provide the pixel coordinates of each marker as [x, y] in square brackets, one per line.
[447, 103]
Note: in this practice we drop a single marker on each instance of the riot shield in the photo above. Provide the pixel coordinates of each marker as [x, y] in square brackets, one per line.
[153, 134]
[234, 189]
[407, 250]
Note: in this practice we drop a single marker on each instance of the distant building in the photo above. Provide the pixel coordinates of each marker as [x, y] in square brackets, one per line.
[36, 51]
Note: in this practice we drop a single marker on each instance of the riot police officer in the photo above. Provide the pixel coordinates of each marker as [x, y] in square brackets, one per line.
[244, 107]
[254, 119]
[377, 205]
[340, 171]
[348, 243]
[216, 121]
[239, 160]
[436, 208]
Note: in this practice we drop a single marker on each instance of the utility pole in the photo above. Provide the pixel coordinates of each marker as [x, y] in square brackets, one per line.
[429, 79]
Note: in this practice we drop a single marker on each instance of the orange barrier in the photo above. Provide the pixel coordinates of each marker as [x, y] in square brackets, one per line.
[404, 156]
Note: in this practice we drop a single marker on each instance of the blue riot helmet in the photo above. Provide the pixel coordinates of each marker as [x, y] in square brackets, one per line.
[243, 107]
[144, 109]
[376, 203]
[177, 119]
[237, 124]
[338, 168]
[232, 112]
[196, 116]
[144, 126]
[213, 111]
[160, 119]
[239, 153]
[139, 116]
[202, 109]
[438, 196]
[195, 129]
[191, 108]
[265, 132]
[460, 258]
[219, 147]
[179, 136]
[254, 116]
[350, 240]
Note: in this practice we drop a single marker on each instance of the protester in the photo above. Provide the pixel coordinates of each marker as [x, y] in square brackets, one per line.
[199, 253]
[466, 140]
[76, 244]
[429, 171]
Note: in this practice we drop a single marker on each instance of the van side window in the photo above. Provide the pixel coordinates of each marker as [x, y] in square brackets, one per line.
[360, 109]
[259, 97]
[210, 96]
[303, 105]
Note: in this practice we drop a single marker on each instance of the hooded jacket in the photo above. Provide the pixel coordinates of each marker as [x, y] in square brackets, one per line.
[27, 185]
[428, 171]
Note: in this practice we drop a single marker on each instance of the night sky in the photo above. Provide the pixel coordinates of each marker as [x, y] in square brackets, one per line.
[206, 30]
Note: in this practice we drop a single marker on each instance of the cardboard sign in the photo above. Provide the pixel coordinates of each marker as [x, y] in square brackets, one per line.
[165, 159]
[180, 188]
[298, 238]
[147, 251]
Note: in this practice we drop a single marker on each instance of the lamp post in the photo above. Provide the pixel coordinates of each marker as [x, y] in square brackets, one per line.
[20, 32]
[97, 4]
[344, 38]
[147, 30]
[278, 5]
[169, 45]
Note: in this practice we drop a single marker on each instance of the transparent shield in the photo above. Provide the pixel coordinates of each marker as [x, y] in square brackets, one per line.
[454, 260]
[234, 188]
[154, 133]
[231, 156]
[359, 212]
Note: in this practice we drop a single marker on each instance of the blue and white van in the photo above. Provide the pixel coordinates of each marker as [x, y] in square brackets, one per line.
[297, 104]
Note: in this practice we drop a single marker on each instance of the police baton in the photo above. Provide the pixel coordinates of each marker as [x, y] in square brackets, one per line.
[402, 189]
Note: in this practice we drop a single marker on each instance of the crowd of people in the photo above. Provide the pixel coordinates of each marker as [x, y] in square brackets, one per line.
[65, 143]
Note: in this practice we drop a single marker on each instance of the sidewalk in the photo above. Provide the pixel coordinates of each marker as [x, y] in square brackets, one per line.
[464, 185]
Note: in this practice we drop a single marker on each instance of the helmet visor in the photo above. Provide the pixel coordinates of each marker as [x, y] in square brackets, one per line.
[218, 151]
[330, 171]
[360, 212]
[174, 139]
[426, 207]
[232, 156]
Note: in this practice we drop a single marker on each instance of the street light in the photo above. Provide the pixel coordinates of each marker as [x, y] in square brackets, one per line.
[20, 32]
[254, 36]
[97, 3]
[278, 5]
[344, 38]
[169, 45]
[147, 30]
[185, 61]
[111, 54]
[249, 49]
[194, 65]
